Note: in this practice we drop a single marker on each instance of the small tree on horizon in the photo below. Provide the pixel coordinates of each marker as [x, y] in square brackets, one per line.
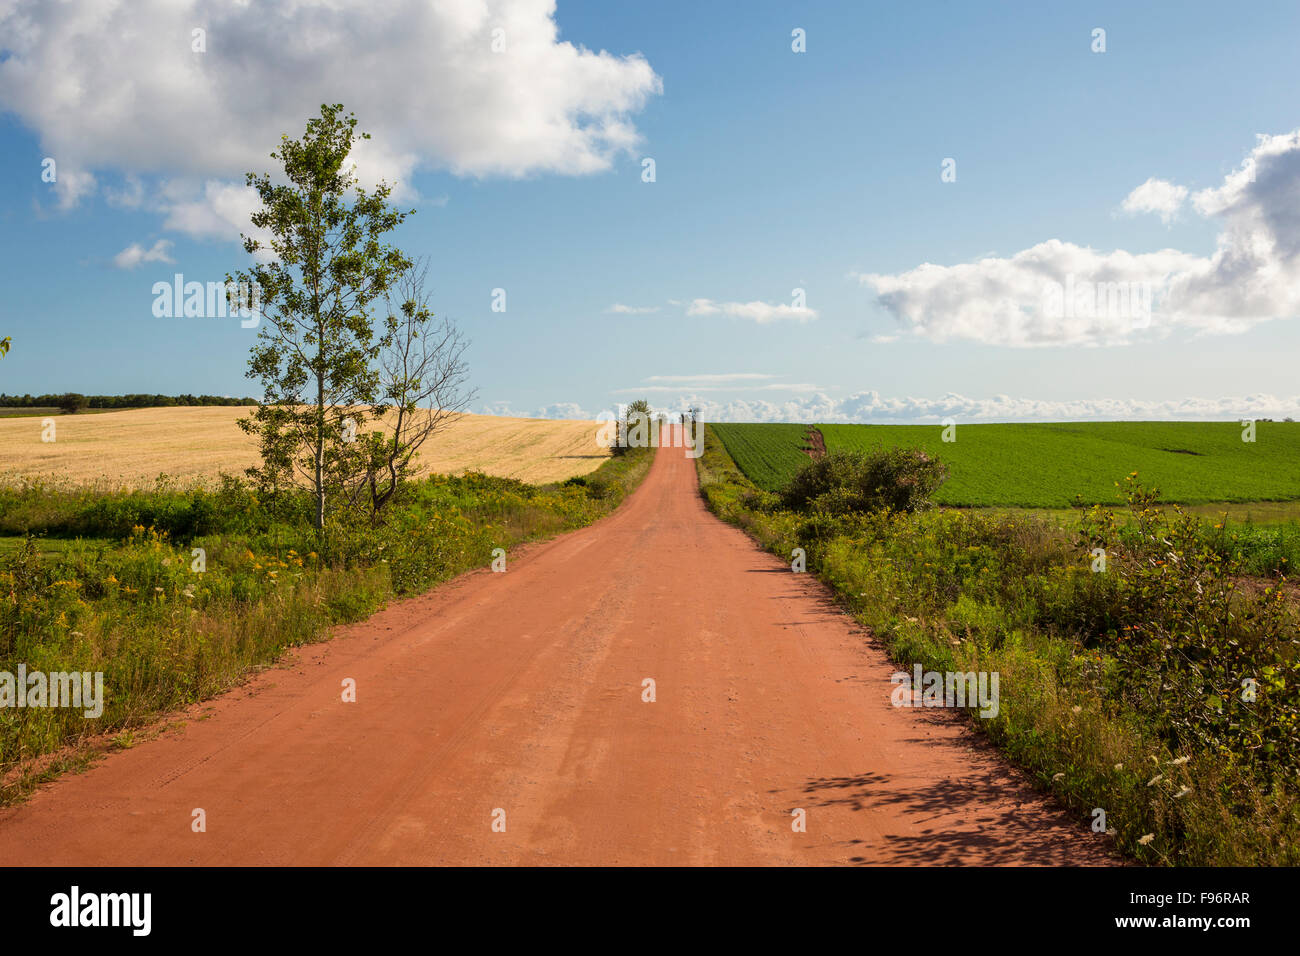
[638, 411]
[73, 402]
[317, 347]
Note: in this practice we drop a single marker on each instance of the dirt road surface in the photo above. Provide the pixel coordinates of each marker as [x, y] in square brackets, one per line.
[518, 698]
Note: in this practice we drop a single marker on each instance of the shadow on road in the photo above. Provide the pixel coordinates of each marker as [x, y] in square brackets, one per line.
[1012, 834]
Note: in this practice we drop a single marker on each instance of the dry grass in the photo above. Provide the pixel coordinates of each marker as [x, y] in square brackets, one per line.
[192, 445]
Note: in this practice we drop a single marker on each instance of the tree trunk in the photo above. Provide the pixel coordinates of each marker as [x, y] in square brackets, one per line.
[320, 431]
[320, 453]
[320, 389]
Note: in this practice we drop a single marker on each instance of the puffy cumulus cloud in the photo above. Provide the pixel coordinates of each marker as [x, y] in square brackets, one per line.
[872, 407]
[760, 312]
[1007, 301]
[1059, 293]
[219, 209]
[216, 210]
[1157, 196]
[134, 254]
[1254, 274]
[117, 85]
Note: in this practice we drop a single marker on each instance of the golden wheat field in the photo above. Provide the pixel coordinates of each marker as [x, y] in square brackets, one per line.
[131, 448]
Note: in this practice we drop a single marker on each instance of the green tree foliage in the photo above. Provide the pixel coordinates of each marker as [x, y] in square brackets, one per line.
[635, 425]
[317, 348]
[1208, 653]
[892, 479]
[73, 402]
[122, 401]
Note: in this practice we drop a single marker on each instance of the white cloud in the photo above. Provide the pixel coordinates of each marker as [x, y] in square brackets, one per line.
[564, 410]
[134, 254]
[556, 411]
[222, 210]
[130, 196]
[711, 378]
[116, 86]
[618, 308]
[1002, 301]
[760, 312]
[872, 407]
[774, 387]
[1252, 276]
[1157, 196]
[71, 185]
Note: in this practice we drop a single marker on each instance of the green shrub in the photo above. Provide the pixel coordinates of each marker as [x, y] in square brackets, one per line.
[889, 479]
[73, 402]
[1213, 663]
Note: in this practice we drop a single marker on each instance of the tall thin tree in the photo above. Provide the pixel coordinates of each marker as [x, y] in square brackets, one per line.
[328, 267]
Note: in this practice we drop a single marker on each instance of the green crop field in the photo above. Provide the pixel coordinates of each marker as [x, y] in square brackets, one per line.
[1046, 465]
[767, 454]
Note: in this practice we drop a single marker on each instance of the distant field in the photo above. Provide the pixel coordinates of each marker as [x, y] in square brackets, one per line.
[767, 454]
[40, 411]
[131, 448]
[1046, 465]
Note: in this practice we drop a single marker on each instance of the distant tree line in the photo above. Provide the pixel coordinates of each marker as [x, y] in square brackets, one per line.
[62, 400]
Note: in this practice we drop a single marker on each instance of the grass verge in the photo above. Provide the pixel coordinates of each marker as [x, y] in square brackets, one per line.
[177, 595]
[1118, 691]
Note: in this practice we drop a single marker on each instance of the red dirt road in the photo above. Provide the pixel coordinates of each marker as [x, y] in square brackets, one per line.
[522, 692]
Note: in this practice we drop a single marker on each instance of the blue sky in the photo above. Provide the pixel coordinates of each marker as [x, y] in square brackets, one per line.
[775, 171]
